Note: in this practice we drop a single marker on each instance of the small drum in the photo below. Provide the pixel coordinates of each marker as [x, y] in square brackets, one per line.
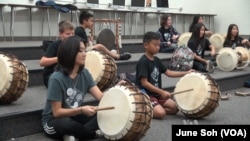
[229, 59]
[243, 57]
[202, 100]
[131, 117]
[217, 41]
[14, 78]
[183, 39]
[102, 67]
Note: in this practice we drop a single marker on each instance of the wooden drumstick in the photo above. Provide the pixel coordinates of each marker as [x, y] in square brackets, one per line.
[105, 108]
[174, 93]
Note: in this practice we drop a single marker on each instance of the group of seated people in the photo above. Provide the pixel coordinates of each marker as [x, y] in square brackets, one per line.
[67, 29]
[199, 41]
[68, 81]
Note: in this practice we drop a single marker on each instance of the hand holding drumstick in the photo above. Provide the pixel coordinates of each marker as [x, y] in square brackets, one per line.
[105, 108]
[167, 95]
[91, 110]
[174, 93]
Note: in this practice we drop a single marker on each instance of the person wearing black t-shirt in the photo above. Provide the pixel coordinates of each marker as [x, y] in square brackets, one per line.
[49, 59]
[86, 20]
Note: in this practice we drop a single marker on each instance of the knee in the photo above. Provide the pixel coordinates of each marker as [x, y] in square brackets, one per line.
[159, 113]
[173, 109]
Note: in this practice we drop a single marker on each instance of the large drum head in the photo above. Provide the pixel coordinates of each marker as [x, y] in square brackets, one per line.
[202, 100]
[217, 41]
[183, 39]
[102, 67]
[192, 101]
[243, 57]
[107, 38]
[115, 123]
[95, 64]
[131, 117]
[227, 59]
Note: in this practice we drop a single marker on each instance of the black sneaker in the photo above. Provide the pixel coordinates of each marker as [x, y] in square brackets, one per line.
[125, 56]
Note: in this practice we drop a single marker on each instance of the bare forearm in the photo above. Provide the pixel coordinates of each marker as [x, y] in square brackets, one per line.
[63, 112]
[152, 88]
[48, 61]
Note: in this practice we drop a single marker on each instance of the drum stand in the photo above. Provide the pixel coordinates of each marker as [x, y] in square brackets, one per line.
[117, 30]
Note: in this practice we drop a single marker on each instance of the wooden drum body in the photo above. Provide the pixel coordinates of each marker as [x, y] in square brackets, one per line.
[14, 78]
[131, 117]
[102, 67]
[202, 100]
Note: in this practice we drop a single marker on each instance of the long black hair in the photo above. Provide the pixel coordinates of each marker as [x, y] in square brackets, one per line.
[67, 53]
[228, 42]
[196, 34]
[194, 22]
[229, 32]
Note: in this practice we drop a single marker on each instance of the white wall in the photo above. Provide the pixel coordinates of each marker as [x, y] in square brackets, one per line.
[226, 11]
[231, 11]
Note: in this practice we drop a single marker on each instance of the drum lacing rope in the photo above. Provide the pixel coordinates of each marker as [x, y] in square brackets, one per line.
[214, 83]
[19, 78]
[137, 135]
[145, 111]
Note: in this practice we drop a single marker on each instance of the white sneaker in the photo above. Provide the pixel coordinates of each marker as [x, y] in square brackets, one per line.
[210, 67]
[69, 138]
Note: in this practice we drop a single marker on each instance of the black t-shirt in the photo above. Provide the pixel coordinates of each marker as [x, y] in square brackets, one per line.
[51, 52]
[233, 43]
[199, 48]
[80, 31]
[151, 70]
[167, 34]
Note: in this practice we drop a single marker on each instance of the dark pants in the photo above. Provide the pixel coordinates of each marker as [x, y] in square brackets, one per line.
[46, 79]
[81, 127]
[199, 66]
[169, 49]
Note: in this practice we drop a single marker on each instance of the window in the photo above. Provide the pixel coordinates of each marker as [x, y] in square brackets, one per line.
[138, 3]
[93, 1]
[119, 4]
[162, 3]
